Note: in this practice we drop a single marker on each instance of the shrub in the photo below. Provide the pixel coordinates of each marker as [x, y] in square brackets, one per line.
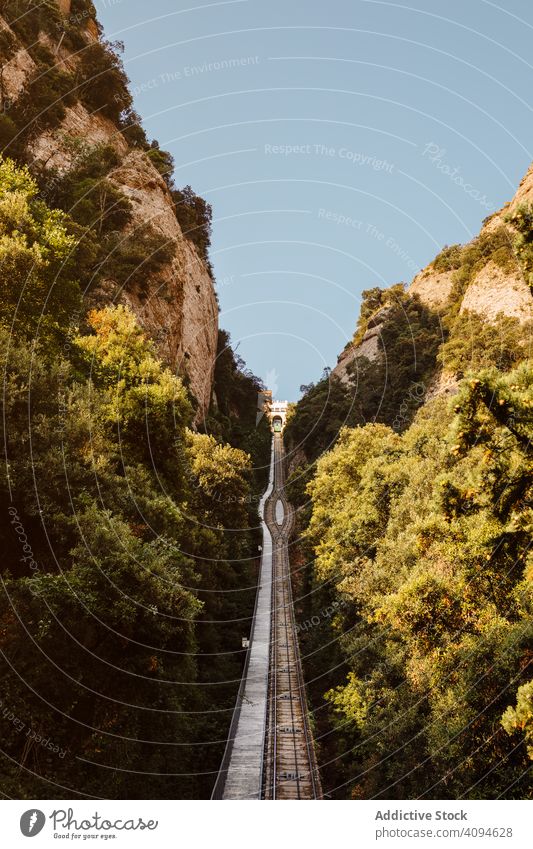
[194, 215]
[495, 246]
[522, 220]
[103, 84]
[449, 259]
[130, 260]
[132, 129]
[424, 539]
[372, 300]
[474, 343]
[38, 285]
[42, 104]
[8, 132]
[29, 17]
[163, 161]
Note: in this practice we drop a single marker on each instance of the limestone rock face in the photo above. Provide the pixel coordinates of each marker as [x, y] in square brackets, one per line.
[523, 195]
[432, 287]
[180, 311]
[344, 360]
[52, 147]
[494, 290]
[15, 70]
[444, 384]
[178, 306]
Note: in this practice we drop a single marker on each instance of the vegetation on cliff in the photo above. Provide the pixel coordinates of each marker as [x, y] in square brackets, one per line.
[409, 339]
[413, 567]
[129, 537]
[425, 539]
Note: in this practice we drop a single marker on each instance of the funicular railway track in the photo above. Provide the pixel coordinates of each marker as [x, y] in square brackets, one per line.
[290, 769]
[269, 752]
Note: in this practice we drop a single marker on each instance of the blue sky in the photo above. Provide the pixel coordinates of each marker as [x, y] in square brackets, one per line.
[341, 145]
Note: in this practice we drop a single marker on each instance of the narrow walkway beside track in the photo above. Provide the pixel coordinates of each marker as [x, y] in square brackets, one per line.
[241, 771]
[270, 751]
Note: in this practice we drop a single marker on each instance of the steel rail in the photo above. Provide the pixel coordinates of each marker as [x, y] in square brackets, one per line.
[311, 757]
[285, 578]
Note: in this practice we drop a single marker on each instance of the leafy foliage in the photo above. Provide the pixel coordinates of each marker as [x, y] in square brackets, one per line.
[194, 215]
[129, 517]
[102, 84]
[449, 259]
[520, 718]
[27, 18]
[39, 292]
[473, 343]
[129, 540]
[129, 259]
[387, 389]
[233, 416]
[43, 100]
[522, 220]
[425, 538]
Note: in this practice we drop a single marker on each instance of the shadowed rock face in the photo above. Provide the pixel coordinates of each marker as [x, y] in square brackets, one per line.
[369, 346]
[178, 306]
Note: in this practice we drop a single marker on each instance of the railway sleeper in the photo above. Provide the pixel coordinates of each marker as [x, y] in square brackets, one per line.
[293, 776]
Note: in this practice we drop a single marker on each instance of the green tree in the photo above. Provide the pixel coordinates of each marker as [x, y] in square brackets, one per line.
[39, 292]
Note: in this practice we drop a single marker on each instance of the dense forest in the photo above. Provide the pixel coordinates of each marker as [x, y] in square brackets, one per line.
[129, 521]
[413, 556]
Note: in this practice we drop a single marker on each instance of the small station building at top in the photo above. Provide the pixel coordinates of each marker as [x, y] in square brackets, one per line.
[275, 410]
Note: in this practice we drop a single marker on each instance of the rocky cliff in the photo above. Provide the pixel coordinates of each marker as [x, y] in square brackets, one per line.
[493, 288]
[368, 347]
[487, 277]
[177, 305]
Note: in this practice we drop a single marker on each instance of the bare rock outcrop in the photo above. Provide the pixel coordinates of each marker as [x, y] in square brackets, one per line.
[494, 291]
[443, 385]
[15, 71]
[432, 287]
[523, 196]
